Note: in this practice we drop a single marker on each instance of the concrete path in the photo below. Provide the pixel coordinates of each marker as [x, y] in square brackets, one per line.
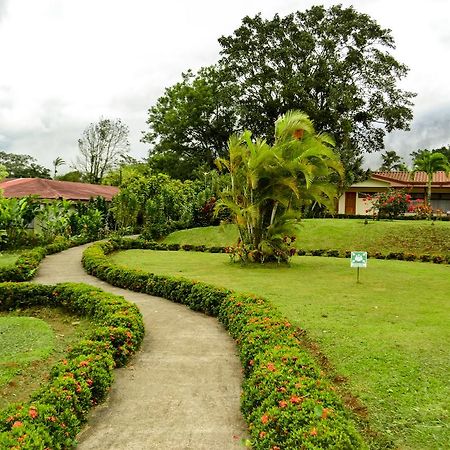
[180, 391]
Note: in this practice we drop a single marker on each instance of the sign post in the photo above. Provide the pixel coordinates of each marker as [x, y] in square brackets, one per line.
[358, 260]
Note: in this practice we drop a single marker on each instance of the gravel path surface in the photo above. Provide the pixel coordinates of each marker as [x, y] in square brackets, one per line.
[180, 391]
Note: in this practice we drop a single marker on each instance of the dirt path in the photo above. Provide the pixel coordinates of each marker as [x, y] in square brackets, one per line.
[180, 391]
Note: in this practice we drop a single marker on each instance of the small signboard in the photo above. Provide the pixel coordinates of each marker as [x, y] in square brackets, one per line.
[358, 259]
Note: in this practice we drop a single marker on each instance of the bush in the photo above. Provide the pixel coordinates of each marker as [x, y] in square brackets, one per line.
[286, 400]
[54, 415]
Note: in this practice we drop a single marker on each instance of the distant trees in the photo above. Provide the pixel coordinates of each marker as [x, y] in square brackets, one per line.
[22, 166]
[391, 162]
[101, 147]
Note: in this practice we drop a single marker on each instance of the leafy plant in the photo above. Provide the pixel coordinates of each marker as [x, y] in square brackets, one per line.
[270, 184]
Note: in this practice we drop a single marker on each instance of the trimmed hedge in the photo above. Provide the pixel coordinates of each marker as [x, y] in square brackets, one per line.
[27, 263]
[55, 413]
[286, 401]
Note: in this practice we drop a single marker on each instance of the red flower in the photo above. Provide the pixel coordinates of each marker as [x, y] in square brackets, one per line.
[32, 412]
[294, 399]
[271, 367]
[282, 404]
[264, 418]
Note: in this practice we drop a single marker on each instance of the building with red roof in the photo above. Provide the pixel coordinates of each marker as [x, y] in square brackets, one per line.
[55, 190]
[354, 201]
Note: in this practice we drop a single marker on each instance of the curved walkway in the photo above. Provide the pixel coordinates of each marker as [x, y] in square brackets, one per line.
[180, 391]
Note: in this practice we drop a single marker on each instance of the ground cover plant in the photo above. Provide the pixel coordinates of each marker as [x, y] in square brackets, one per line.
[53, 415]
[32, 340]
[417, 237]
[287, 401]
[383, 336]
[8, 259]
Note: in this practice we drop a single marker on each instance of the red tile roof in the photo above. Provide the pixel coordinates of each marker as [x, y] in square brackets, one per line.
[420, 178]
[51, 189]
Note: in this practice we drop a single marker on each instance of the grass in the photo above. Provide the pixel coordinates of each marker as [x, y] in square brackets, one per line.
[31, 341]
[8, 259]
[386, 336]
[342, 234]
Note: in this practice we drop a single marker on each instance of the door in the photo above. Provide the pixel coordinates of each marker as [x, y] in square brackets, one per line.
[350, 203]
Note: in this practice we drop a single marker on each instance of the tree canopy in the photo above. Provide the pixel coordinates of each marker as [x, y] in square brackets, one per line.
[22, 166]
[335, 64]
[392, 162]
[102, 146]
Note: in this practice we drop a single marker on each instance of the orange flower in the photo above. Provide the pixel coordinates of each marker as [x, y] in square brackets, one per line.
[313, 432]
[33, 413]
[265, 418]
[262, 434]
[294, 399]
[282, 404]
[17, 424]
[271, 367]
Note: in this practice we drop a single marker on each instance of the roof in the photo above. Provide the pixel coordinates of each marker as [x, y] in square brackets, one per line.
[405, 178]
[52, 189]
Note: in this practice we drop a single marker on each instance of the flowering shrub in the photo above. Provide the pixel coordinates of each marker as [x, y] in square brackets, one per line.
[54, 415]
[390, 204]
[420, 209]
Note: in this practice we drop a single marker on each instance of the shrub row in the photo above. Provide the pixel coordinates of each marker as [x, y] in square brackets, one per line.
[286, 401]
[27, 263]
[401, 256]
[54, 414]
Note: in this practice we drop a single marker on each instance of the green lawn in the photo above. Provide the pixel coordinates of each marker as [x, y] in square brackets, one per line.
[31, 341]
[388, 335]
[7, 259]
[342, 234]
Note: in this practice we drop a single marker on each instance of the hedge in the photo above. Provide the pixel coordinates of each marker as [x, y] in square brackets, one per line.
[287, 401]
[27, 263]
[55, 412]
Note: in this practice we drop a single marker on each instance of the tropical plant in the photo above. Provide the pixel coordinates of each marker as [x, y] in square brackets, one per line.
[270, 184]
[57, 163]
[390, 204]
[54, 219]
[430, 163]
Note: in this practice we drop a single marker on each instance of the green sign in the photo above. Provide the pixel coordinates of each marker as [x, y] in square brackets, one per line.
[358, 259]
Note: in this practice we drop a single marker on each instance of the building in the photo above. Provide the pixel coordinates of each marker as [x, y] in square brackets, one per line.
[354, 201]
[55, 190]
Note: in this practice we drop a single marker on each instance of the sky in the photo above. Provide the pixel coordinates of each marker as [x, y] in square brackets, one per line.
[66, 63]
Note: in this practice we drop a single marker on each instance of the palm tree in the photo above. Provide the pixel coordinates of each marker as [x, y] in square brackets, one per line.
[430, 163]
[270, 184]
[56, 163]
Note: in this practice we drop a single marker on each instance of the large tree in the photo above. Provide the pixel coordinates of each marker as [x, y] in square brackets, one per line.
[191, 123]
[22, 166]
[335, 64]
[102, 147]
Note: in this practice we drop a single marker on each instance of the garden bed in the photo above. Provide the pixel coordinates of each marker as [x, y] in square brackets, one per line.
[56, 411]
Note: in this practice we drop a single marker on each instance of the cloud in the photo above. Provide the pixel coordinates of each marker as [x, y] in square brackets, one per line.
[3, 8]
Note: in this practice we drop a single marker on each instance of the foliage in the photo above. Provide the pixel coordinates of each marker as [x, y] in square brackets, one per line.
[3, 172]
[22, 166]
[56, 411]
[190, 123]
[430, 163]
[74, 176]
[15, 216]
[158, 203]
[270, 184]
[54, 219]
[444, 150]
[101, 147]
[276, 367]
[126, 173]
[391, 162]
[390, 204]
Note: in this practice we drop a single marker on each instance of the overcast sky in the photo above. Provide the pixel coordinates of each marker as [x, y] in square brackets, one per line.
[65, 63]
